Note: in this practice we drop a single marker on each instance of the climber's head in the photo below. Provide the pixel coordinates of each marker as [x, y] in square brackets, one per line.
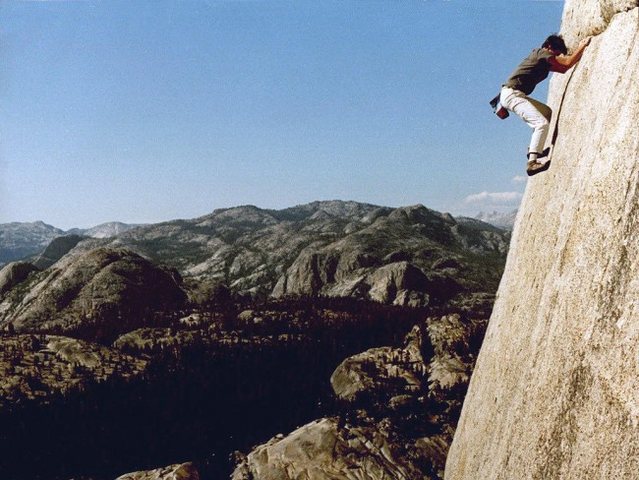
[556, 44]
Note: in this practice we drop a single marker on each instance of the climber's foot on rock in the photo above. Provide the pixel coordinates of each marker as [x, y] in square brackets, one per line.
[542, 154]
[536, 167]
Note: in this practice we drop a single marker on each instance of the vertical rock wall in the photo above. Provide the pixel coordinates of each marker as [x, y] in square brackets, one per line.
[555, 393]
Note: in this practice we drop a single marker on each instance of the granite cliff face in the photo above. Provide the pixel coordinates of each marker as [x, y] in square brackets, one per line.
[555, 392]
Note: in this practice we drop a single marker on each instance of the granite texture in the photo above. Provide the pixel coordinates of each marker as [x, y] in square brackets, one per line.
[555, 393]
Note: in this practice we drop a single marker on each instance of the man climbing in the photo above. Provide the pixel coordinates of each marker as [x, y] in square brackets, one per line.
[551, 57]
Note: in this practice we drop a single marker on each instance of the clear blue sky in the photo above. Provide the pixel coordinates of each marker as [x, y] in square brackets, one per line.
[144, 111]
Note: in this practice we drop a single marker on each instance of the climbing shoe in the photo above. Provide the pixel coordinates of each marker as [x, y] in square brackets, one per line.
[542, 154]
[537, 167]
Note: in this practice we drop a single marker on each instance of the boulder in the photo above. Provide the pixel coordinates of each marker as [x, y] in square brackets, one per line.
[388, 280]
[308, 274]
[183, 471]
[368, 376]
[322, 450]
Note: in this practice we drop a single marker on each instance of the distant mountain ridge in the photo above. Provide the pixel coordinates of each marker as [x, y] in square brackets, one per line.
[104, 230]
[504, 220]
[332, 248]
[19, 240]
[409, 256]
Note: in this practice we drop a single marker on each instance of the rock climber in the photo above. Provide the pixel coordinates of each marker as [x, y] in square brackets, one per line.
[551, 57]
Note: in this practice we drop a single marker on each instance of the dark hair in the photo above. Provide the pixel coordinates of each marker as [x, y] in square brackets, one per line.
[556, 43]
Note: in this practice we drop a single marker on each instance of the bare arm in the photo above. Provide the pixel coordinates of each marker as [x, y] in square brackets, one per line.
[563, 63]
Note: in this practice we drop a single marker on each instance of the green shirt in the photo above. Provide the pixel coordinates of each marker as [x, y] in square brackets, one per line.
[532, 70]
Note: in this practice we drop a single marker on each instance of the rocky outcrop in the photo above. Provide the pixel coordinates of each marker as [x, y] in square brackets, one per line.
[183, 471]
[392, 260]
[368, 374]
[41, 367]
[57, 249]
[96, 294]
[396, 282]
[554, 393]
[322, 450]
[400, 407]
[14, 274]
[399, 283]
